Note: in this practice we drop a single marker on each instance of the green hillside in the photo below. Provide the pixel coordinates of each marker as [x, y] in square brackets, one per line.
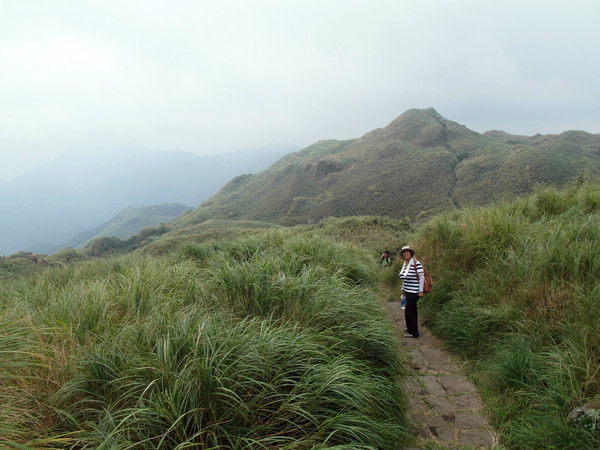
[419, 165]
[201, 335]
[517, 295]
[129, 222]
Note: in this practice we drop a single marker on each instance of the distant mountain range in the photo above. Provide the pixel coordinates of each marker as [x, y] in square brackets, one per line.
[48, 206]
[419, 165]
[129, 222]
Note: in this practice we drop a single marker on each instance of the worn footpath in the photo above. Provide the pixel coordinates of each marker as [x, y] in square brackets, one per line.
[445, 407]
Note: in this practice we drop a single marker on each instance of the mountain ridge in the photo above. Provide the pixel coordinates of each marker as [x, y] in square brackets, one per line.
[127, 223]
[418, 165]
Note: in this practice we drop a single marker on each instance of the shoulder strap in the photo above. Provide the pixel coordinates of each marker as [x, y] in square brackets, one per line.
[416, 271]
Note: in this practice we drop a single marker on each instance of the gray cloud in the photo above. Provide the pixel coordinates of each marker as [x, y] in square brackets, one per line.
[210, 77]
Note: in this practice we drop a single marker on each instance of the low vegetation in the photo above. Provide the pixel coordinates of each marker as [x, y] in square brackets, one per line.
[517, 295]
[20, 264]
[277, 341]
[234, 334]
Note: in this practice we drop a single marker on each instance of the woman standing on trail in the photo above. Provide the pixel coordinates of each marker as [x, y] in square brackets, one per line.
[412, 288]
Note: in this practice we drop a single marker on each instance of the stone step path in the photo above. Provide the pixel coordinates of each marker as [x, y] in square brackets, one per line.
[446, 410]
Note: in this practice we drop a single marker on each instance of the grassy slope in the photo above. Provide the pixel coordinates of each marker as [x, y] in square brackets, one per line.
[517, 294]
[264, 342]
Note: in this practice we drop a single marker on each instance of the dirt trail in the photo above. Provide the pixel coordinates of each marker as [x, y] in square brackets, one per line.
[445, 407]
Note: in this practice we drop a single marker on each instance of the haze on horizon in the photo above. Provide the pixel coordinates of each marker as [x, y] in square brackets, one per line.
[210, 77]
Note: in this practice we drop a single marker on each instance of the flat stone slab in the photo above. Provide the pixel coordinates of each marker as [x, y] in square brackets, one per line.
[435, 427]
[416, 404]
[419, 365]
[443, 433]
[432, 354]
[467, 402]
[443, 367]
[416, 354]
[469, 421]
[477, 439]
[456, 384]
[426, 339]
[442, 405]
[433, 386]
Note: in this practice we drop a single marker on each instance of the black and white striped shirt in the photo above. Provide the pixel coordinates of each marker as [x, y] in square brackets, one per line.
[411, 282]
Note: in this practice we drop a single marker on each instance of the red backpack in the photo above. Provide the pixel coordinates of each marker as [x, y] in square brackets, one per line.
[427, 281]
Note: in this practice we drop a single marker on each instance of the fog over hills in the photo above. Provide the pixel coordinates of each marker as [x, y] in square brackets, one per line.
[49, 205]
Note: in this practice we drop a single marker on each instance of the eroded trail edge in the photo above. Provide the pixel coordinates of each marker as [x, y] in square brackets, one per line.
[445, 407]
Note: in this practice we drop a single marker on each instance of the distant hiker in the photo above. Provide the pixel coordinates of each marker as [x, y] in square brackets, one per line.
[412, 289]
[385, 259]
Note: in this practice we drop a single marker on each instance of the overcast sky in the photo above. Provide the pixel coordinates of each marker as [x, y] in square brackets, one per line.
[224, 75]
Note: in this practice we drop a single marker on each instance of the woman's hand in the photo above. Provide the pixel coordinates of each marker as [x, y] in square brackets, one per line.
[420, 294]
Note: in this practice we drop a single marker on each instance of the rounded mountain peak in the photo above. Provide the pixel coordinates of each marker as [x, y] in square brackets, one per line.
[422, 127]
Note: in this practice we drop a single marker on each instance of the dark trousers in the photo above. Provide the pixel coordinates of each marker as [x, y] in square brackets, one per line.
[411, 315]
